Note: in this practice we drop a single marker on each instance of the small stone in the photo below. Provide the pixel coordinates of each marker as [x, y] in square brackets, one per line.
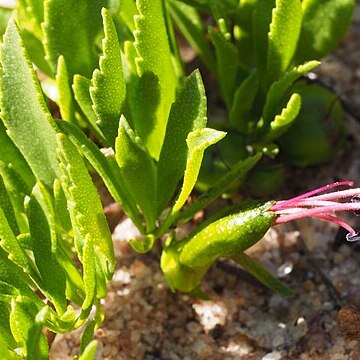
[210, 314]
[275, 355]
[301, 328]
[285, 269]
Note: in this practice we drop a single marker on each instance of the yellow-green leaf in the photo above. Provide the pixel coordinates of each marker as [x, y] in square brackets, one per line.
[65, 96]
[282, 121]
[197, 142]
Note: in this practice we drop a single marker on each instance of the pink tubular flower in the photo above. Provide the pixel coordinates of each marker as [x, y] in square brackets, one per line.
[322, 206]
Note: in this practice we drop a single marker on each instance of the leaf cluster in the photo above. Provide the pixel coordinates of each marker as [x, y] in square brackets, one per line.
[51, 218]
[257, 50]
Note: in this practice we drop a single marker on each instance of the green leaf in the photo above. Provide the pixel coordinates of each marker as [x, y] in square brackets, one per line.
[5, 335]
[89, 351]
[25, 241]
[5, 15]
[15, 276]
[17, 190]
[60, 207]
[65, 97]
[70, 29]
[191, 26]
[201, 4]
[41, 223]
[324, 24]
[81, 89]
[36, 348]
[243, 103]
[22, 316]
[197, 142]
[106, 168]
[243, 32]
[279, 88]
[6, 353]
[187, 114]
[8, 291]
[144, 245]
[36, 51]
[9, 244]
[74, 283]
[92, 236]
[31, 15]
[127, 11]
[24, 110]
[239, 171]
[10, 155]
[261, 26]
[257, 270]
[283, 36]
[108, 89]
[154, 62]
[8, 208]
[131, 54]
[283, 121]
[87, 335]
[138, 171]
[144, 99]
[227, 65]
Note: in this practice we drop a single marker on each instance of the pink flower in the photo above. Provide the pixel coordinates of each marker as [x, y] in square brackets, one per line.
[322, 206]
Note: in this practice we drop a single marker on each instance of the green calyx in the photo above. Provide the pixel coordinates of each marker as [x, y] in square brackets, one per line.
[185, 262]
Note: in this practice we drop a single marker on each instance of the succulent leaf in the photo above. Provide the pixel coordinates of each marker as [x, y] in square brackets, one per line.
[108, 89]
[24, 110]
[138, 171]
[187, 114]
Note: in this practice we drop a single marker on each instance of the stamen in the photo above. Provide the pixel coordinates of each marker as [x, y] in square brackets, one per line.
[279, 204]
[321, 206]
[318, 210]
[342, 194]
[310, 203]
[337, 221]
